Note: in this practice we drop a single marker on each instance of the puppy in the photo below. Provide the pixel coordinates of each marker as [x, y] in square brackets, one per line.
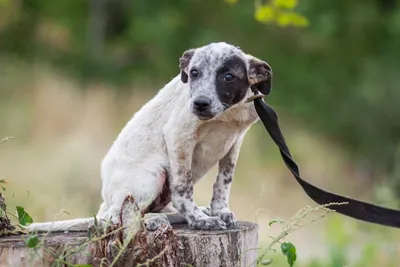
[195, 121]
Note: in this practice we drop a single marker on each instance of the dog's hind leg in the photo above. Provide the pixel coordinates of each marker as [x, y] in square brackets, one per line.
[144, 183]
[167, 215]
[153, 221]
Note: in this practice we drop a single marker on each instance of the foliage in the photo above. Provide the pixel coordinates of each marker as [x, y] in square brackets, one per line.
[32, 241]
[296, 222]
[339, 74]
[281, 12]
[23, 217]
[289, 250]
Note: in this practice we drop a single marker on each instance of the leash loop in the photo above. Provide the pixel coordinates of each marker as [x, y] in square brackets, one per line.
[255, 96]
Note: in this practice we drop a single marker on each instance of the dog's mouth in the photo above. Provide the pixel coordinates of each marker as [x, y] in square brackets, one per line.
[203, 116]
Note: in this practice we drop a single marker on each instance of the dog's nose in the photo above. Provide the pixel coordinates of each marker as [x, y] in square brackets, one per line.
[202, 103]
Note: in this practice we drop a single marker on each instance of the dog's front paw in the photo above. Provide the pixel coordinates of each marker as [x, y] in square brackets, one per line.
[227, 216]
[208, 223]
[153, 221]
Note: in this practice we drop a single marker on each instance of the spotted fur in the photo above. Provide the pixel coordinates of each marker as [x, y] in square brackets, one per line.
[195, 121]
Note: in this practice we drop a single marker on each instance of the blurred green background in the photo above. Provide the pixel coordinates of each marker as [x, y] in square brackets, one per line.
[73, 72]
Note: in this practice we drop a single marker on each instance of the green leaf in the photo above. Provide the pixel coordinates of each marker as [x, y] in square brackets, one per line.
[299, 20]
[289, 250]
[265, 14]
[23, 217]
[286, 4]
[284, 19]
[32, 241]
[273, 221]
[89, 233]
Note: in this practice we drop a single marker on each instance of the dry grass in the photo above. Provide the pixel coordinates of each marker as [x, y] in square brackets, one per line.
[62, 132]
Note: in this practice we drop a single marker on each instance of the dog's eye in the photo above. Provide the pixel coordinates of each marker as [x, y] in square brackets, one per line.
[228, 77]
[194, 73]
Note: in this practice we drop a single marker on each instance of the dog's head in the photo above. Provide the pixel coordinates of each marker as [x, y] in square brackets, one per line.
[220, 76]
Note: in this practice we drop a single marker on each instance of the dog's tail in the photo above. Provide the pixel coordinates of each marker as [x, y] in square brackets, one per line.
[68, 225]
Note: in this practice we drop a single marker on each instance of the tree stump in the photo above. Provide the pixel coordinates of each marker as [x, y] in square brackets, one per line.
[168, 246]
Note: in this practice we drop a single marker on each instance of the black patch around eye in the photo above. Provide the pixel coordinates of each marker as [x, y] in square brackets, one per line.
[232, 92]
[194, 73]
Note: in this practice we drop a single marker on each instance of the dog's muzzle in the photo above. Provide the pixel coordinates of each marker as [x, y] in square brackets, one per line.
[201, 107]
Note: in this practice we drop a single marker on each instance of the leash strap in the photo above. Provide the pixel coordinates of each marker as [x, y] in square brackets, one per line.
[355, 209]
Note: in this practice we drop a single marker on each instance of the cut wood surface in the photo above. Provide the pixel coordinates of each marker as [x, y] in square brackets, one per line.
[176, 246]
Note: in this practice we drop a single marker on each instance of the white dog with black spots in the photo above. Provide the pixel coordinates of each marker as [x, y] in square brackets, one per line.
[195, 121]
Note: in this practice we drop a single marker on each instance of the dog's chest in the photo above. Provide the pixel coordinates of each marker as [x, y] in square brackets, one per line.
[214, 140]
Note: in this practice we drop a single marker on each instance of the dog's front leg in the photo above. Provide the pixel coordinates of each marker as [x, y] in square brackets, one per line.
[222, 186]
[180, 153]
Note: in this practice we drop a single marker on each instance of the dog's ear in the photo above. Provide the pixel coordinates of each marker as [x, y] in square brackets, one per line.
[259, 74]
[184, 63]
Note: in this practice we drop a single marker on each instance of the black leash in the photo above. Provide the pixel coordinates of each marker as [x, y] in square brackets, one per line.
[356, 209]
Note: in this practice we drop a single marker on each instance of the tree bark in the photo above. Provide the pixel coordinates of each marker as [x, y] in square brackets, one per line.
[177, 246]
